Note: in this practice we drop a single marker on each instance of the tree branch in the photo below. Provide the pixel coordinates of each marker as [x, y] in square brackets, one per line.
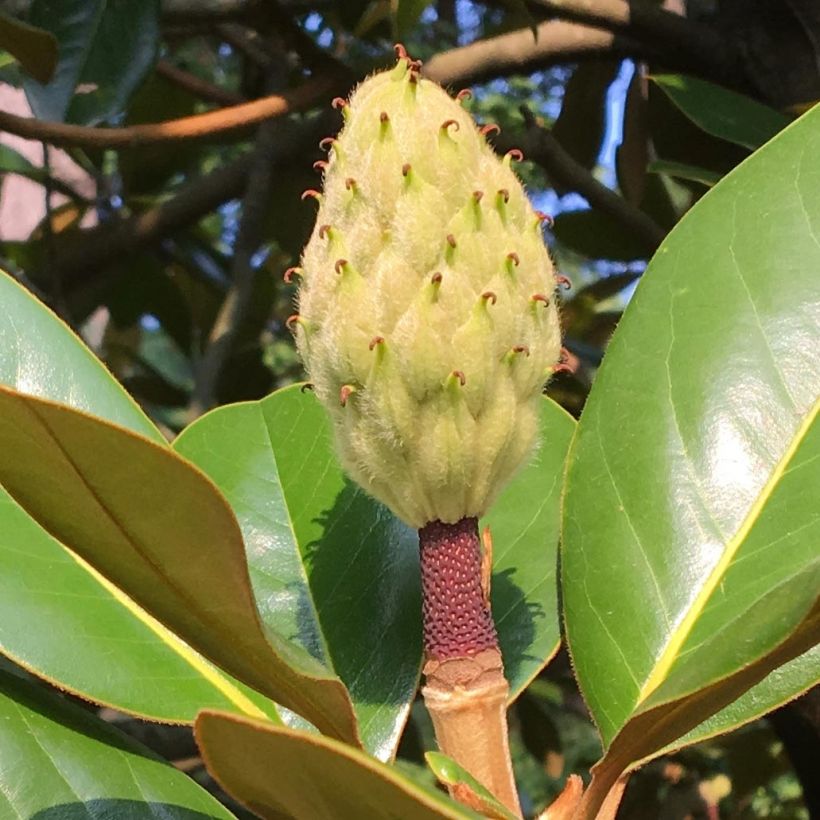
[542, 147]
[234, 308]
[558, 41]
[196, 85]
[680, 40]
[198, 127]
[85, 252]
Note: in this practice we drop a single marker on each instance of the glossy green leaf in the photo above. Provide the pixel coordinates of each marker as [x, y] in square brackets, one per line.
[158, 529]
[681, 170]
[331, 569]
[107, 648]
[64, 622]
[450, 774]
[105, 49]
[524, 524]
[690, 563]
[283, 773]
[34, 48]
[720, 112]
[41, 356]
[58, 762]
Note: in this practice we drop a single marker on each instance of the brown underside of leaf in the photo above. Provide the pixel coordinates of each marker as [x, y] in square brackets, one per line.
[661, 725]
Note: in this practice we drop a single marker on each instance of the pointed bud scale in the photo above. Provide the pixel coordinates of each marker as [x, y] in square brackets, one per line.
[416, 303]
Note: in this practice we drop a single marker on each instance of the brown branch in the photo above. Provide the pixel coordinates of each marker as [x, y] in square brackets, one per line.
[196, 85]
[85, 252]
[198, 127]
[234, 308]
[558, 41]
[679, 39]
[543, 148]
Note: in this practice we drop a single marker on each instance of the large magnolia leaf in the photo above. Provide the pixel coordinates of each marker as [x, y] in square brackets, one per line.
[524, 525]
[690, 564]
[331, 569]
[720, 112]
[157, 528]
[59, 762]
[283, 773]
[106, 648]
[40, 356]
[338, 573]
[105, 49]
[66, 623]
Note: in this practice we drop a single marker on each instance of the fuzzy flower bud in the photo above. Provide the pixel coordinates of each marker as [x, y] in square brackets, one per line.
[427, 321]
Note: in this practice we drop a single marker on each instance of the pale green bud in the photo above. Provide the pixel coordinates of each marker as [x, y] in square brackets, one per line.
[427, 321]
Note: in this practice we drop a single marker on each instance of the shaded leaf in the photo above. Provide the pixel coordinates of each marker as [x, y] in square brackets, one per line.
[283, 773]
[12, 162]
[105, 48]
[722, 113]
[683, 171]
[158, 529]
[456, 777]
[407, 14]
[58, 762]
[780, 686]
[524, 523]
[581, 122]
[34, 48]
[632, 154]
[690, 529]
[332, 570]
[598, 236]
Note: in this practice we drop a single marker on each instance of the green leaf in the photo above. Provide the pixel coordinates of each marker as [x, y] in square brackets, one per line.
[683, 171]
[720, 112]
[279, 773]
[58, 762]
[598, 236]
[12, 162]
[41, 356]
[158, 529]
[34, 48]
[162, 678]
[407, 14]
[690, 566]
[780, 686]
[581, 123]
[524, 523]
[452, 775]
[106, 47]
[107, 649]
[331, 569]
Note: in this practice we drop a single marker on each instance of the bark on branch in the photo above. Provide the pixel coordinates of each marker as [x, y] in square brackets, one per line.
[543, 148]
[558, 41]
[198, 127]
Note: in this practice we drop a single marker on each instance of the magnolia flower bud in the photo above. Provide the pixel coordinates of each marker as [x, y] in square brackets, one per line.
[427, 321]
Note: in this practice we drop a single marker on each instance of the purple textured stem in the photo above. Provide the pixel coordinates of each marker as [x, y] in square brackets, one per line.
[457, 620]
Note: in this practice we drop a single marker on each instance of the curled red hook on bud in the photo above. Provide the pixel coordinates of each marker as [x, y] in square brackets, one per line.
[489, 296]
[490, 128]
